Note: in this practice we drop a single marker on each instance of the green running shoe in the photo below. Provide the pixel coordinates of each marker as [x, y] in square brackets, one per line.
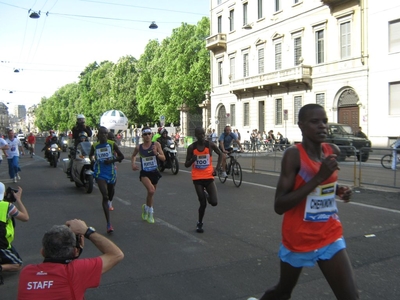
[144, 213]
[150, 218]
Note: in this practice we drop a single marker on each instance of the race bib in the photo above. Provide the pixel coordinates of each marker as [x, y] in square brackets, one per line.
[202, 161]
[149, 163]
[104, 153]
[321, 203]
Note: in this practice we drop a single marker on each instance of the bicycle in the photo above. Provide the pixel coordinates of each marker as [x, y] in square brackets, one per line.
[386, 161]
[232, 168]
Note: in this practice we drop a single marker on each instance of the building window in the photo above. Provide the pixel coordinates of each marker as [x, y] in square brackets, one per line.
[246, 114]
[278, 111]
[345, 40]
[219, 24]
[232, 68]
[394, 97]
[233, 115]
[220, 72]
[261, 61]
[277, 5]
[297, 51]
[319, 46]
[245, 14]
[245, 65]
[260, 9]
[394, 36]
[320, 99]
[232, 20]
[297, 105]
[278, 56]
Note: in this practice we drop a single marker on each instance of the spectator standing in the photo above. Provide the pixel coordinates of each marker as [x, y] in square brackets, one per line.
[10, 210]
[62, 275]
[31, 143]
[361, 134]
[214, 137]
[12, 153]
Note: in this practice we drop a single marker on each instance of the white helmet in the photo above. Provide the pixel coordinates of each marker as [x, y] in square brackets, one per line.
[80, 116]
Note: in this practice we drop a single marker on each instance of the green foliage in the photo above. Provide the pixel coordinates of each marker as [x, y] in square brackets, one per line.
[166, 75]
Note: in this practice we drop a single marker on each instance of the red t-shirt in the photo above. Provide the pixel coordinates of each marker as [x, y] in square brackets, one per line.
[31, 139]
[57, 281]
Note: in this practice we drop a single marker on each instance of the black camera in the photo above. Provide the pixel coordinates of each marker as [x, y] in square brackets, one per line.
[9, 196]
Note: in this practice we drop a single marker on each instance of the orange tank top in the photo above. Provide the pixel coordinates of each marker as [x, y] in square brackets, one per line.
[202, 168]
[314, 222]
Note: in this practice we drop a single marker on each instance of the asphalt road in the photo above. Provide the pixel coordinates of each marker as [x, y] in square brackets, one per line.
[236, 256]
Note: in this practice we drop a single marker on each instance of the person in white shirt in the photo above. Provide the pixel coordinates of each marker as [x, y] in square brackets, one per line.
[3, 147]
[12, 153]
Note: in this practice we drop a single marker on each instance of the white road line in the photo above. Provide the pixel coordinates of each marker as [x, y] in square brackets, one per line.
[179, 231]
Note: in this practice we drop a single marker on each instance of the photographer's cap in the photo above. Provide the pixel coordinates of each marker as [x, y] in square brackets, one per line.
[2, 190]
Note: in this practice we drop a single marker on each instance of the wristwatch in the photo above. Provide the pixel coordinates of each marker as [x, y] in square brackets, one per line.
[89, 231]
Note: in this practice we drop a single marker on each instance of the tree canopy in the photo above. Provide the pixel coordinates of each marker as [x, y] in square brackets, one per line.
[167, 74]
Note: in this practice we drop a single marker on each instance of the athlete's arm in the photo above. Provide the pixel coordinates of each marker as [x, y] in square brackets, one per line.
[190, 157]
[158, 151]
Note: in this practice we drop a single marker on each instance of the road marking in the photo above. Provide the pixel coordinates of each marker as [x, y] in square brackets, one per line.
[184, 233]
[376, 207]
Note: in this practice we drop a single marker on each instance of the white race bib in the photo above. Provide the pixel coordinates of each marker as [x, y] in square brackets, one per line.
[202, 161]
[149, 163]
[321, 203]
[104, 153]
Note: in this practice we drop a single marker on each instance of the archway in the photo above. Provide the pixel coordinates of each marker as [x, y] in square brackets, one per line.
[348, 110]
[221, 117]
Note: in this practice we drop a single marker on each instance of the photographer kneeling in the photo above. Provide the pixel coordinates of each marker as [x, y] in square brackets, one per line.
[11, 207]
[62, 275]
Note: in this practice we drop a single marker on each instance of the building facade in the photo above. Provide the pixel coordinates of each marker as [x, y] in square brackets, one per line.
[269, 58]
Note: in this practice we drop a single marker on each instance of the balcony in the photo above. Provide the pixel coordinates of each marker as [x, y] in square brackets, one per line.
[333, 3]
[216, 43]
[281, 78]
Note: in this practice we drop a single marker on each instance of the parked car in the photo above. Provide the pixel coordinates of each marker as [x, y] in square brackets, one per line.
[343, 136]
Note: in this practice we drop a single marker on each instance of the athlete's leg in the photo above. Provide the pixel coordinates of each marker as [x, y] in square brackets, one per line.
[339, 274]
[151, 189]
[287, 282]
[102, 184]
[202, 199]
[213, 194]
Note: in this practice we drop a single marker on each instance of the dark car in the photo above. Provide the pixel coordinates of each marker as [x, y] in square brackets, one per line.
[343, 136]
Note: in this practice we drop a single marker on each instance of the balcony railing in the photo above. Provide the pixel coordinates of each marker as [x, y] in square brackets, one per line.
[216, 42]
[297, 75]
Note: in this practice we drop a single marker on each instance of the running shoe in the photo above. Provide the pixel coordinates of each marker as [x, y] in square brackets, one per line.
[110, 228]
[19, 177]
[199, 228]
[144, 212]
[150, 218]
[15, 179]
[110, 207]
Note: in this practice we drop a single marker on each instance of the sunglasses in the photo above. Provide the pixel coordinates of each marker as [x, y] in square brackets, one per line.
[144, 134]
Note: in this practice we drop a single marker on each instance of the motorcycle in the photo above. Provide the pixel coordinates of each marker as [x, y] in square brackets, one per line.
[81, 169]
[64, 144]
[53, 154]
[171, 159]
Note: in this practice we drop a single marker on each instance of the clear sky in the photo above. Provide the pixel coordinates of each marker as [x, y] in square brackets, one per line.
[51, 51]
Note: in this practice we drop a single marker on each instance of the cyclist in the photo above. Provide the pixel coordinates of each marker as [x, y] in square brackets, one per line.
[199, 156]
[225, 141]
[395, 146]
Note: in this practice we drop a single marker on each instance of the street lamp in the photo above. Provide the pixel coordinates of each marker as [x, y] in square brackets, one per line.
[153, 25]
[34, 14]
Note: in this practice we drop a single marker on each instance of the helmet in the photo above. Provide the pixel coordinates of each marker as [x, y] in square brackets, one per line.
[51, 131]
[80, 119]
[83, 135]
[53, 135]
[164, 131]
[159, 129]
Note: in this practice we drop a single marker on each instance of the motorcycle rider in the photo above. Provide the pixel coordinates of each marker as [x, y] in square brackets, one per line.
[157, 135]
[52, 140]
[76, 136]
[78, 128]
[163, 140]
